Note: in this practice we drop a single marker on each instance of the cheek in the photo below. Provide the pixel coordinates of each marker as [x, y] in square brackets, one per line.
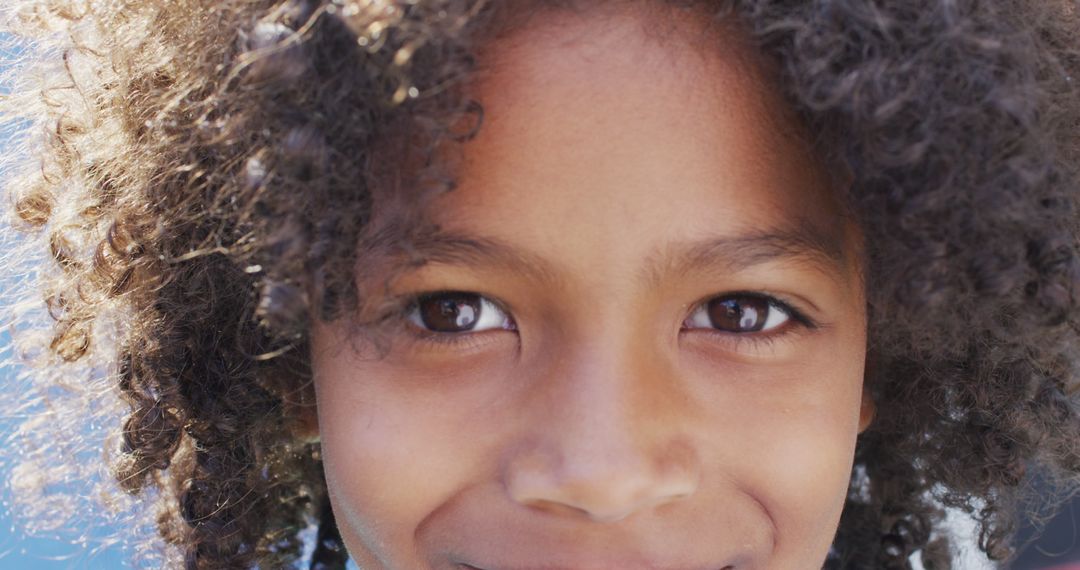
[803, 474]
[808, 488]
[386, 467]
[809, 465]
[786, 433]
[391, 457]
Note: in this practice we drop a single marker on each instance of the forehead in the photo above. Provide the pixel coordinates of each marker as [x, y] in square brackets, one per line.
[651, 110]
[605, 51]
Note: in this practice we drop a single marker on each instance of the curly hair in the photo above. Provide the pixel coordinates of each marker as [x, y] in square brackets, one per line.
[212, 174]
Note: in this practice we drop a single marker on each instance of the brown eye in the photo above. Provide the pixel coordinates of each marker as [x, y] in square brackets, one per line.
[457, 312]
[738, 314]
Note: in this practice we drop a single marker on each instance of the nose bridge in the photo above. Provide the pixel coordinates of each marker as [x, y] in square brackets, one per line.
[607, 388]
[604, 443]
[601, 423]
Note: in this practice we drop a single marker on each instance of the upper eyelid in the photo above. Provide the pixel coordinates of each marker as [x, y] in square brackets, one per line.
[407, 301]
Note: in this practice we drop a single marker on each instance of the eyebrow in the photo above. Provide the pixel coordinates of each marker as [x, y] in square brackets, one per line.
[801, 243]
[453, 248]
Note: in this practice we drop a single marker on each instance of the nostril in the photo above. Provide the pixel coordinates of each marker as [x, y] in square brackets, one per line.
[599, 493]
[556, 508]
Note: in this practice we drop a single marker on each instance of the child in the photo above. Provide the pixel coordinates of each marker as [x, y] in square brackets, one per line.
[526, 284]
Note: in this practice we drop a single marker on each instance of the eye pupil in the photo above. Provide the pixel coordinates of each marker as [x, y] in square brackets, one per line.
[738, 314]
[450, 312]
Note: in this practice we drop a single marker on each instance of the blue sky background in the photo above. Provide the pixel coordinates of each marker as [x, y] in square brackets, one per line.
[17, 550]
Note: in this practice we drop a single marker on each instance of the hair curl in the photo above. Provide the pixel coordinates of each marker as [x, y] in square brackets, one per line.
[212, 173]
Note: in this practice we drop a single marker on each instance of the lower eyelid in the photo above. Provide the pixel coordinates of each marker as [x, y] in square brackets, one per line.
[762, 344]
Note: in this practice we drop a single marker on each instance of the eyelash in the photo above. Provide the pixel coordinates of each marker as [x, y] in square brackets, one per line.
[471, 339]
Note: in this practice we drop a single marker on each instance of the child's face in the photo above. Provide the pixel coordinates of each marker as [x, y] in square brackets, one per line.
[661, 326]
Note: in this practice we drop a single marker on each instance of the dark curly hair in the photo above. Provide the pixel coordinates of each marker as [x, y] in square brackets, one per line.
[209, 175]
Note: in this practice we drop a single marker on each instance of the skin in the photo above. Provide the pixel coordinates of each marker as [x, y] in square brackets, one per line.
[619, 181]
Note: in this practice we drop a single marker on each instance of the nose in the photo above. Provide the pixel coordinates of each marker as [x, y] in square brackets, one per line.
[605, 443]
